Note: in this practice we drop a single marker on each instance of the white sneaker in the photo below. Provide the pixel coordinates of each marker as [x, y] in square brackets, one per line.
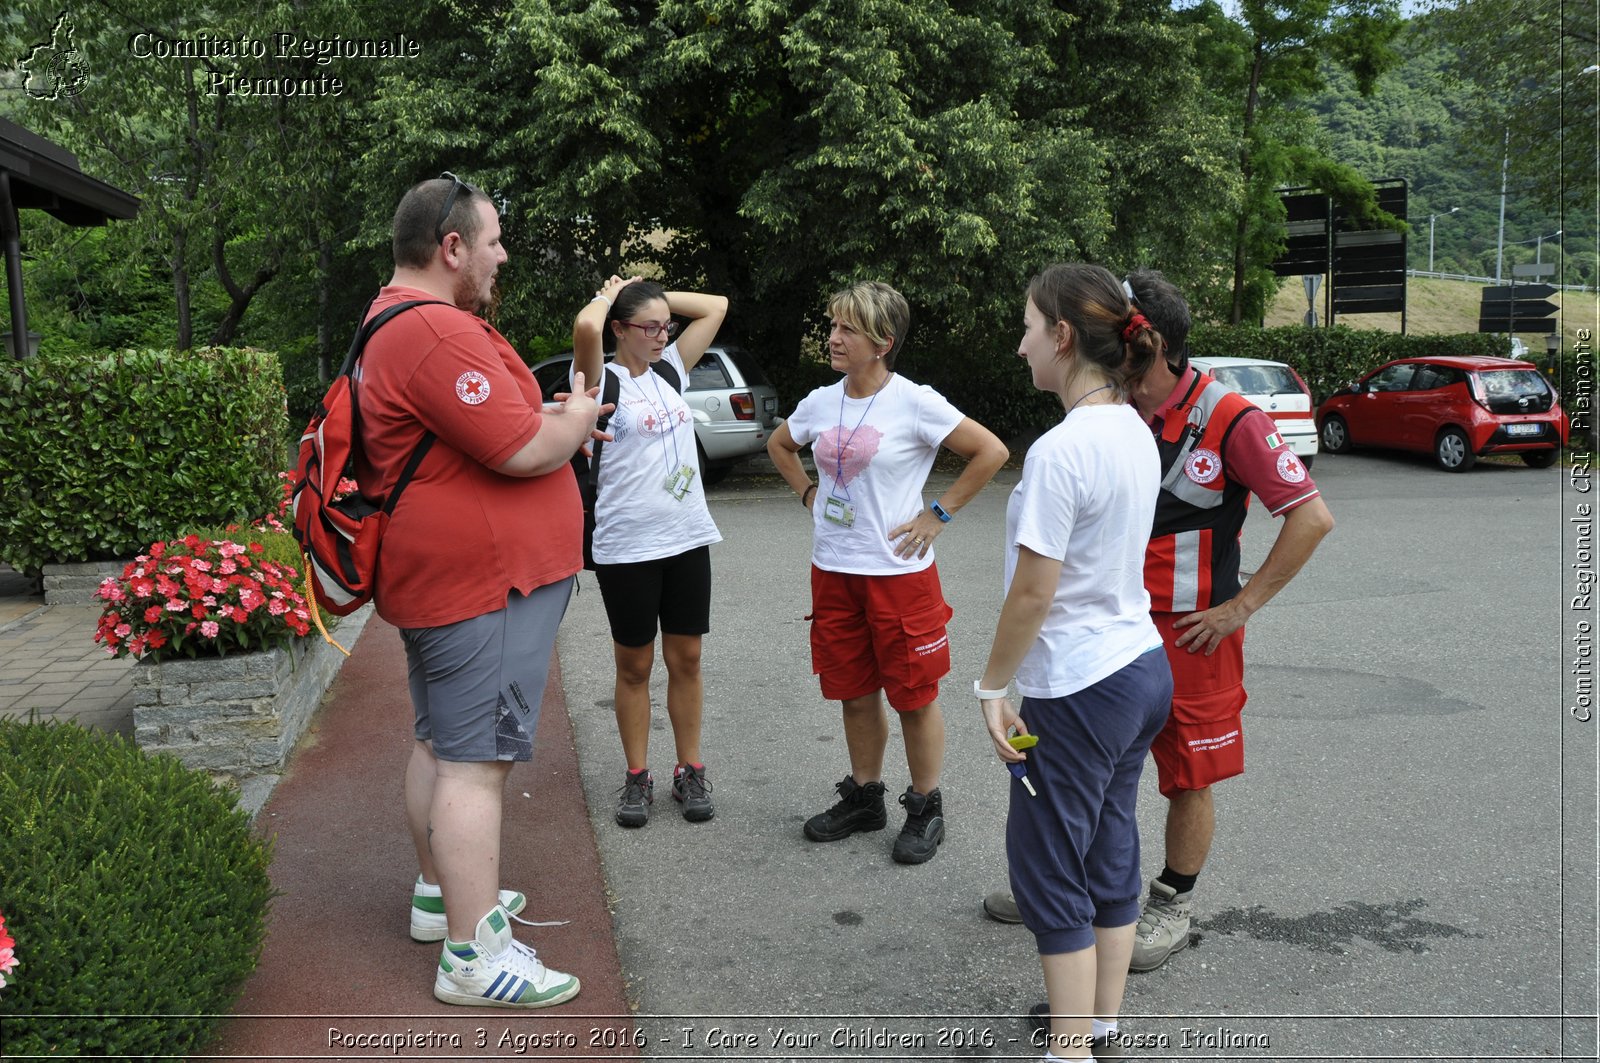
[427, 910]
[496, 970]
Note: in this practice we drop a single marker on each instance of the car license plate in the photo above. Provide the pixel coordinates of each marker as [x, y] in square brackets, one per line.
[1524, 429]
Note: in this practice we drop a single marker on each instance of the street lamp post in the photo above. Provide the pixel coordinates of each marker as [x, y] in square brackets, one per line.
[1500, 241]
[1538, 250]
[1452, 210]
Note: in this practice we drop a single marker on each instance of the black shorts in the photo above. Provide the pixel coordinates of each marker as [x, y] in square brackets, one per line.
[676, 590]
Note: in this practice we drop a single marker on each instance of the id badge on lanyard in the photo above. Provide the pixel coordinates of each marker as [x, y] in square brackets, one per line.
[839, 511]
[677, 483]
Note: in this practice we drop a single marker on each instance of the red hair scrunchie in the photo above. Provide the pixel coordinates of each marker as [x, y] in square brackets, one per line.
[1135, 323]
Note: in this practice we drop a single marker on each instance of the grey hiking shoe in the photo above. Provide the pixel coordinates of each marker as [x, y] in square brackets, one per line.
[1163, 927]
[637, 794]
[1001, 906]
[924, 830]
[692, 790]
[860, 807]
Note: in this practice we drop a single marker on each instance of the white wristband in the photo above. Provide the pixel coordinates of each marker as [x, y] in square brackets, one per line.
[990, 695]
[601, 298]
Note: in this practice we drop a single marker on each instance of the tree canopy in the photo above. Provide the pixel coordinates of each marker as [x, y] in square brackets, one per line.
[768, 149]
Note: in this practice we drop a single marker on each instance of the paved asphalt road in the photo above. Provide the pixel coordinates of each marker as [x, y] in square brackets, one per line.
[1387, 880]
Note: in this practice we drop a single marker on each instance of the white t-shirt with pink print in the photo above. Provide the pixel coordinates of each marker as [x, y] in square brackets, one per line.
[873, 456]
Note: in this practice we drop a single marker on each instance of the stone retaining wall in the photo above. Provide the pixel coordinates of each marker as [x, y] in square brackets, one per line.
[75, 584]
[238, 717]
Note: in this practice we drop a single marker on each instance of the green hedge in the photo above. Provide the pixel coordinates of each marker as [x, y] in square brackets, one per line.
[136, 893]
[1330, 358]
[109, 452]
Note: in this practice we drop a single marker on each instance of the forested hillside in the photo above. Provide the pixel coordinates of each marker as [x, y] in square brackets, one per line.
[1418, 125]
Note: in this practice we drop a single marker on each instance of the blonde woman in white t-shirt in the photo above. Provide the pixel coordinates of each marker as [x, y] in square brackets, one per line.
[878, 613]
[1075, 632]
[653, 532]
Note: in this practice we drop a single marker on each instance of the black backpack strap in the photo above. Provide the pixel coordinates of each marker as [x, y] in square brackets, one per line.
[666, 371]
[610, 392]
[409, 471]
[357, 345]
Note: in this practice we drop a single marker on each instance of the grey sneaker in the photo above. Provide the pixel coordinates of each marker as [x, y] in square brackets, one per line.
[860, 807]
[924, 830]
[1002, 907]
[1163, 927]
[638, 793]
[692, 790]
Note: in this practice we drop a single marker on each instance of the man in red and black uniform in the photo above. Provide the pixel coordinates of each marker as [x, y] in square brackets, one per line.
[1216, 451]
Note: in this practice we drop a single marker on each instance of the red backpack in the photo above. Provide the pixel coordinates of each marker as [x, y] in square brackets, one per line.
[340, 537]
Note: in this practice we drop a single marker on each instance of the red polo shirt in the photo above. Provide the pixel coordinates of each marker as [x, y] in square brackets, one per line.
[463, 535]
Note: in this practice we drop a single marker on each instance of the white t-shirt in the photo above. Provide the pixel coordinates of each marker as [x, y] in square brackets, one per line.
[873, 456]
[636, 518]
[1088, 499]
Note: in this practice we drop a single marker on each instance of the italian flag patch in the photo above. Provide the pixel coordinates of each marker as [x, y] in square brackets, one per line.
[1274, 439]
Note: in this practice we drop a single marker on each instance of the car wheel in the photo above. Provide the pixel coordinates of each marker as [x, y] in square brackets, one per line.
[710, 475]
[1335, 434]
[1307, 459]
[1453, 452]
[1539, 459]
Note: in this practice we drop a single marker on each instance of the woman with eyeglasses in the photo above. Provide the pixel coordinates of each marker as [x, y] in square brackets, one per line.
[653, 532]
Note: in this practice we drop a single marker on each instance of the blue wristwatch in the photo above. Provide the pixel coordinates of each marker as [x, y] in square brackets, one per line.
[940, 512]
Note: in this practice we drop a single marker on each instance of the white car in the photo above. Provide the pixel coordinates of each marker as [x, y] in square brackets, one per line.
[1277, 390]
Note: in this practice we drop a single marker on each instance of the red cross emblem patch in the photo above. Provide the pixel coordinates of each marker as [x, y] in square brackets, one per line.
[1203, 466]
[472, 387]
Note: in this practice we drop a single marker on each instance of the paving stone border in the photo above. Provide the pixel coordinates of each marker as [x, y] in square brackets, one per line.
[238, 717]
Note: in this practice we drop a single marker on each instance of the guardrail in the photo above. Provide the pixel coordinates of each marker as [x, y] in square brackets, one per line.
[1490, 280]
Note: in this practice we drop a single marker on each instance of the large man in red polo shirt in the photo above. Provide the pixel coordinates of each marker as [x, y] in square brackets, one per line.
[477, 567]
[1216, 451]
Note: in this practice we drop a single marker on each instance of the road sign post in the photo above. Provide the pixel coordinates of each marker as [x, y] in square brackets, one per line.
[1504, 307]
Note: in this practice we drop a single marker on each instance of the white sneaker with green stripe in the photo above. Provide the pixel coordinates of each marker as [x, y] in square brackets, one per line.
[496, 970]
[427, 910]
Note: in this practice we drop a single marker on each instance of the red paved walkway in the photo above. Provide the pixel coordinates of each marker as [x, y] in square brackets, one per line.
[339, 964]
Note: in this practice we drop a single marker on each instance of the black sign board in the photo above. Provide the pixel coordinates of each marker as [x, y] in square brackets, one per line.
[1519, 292]
[1517, 308]
[1534, 326]
[1306, 251]
[1366, 264]
[1369, 263]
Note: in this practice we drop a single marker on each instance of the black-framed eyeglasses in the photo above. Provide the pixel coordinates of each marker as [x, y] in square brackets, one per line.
[456, 185]
[653, 329]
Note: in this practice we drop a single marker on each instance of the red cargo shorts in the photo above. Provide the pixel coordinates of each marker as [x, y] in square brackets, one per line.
[1203, 741]
[880, 632]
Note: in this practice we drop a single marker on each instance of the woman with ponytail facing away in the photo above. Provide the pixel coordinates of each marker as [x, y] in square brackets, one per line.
[1075, 634]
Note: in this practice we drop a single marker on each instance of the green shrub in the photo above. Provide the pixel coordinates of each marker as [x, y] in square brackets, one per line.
[108, 453]
[1330, 358]
[135, 890]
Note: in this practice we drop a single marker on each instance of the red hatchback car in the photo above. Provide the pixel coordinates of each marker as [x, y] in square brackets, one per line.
[1453, 408]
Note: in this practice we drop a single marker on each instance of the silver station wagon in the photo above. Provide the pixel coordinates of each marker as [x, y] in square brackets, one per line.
[735, 407]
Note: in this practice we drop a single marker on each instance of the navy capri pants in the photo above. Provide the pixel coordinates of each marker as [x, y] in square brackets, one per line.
[1073, 851]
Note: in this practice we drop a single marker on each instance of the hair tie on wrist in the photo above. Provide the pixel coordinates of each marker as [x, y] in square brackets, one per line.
[1136, 323]
[805, 496]
[602, 299]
